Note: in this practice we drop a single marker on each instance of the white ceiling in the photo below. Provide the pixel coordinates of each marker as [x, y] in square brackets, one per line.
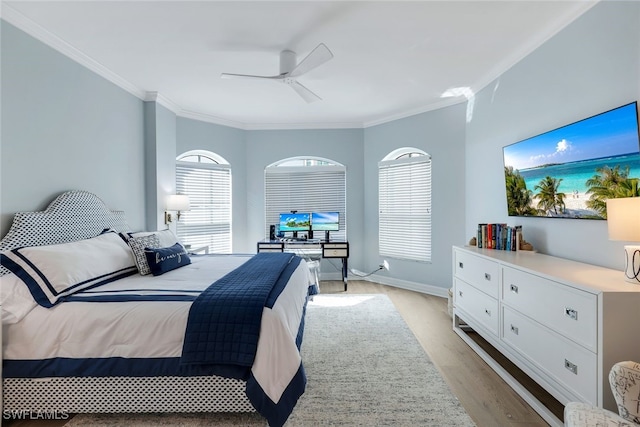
[391, 59]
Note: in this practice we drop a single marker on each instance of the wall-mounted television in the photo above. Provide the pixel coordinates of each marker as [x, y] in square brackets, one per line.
[325, 221]
[571, 171]
[294, 222]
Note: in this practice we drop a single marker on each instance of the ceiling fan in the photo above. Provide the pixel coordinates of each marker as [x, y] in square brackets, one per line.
[289, 70]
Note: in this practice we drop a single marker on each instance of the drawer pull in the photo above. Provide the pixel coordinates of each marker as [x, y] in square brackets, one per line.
[487, 311]
[487, 276]
[571, 367]
[461, 265]
[514, 289]
[514, 329]
[460, 293]
[571, 313]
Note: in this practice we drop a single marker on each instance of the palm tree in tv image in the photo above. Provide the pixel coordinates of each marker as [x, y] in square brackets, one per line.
[519, 198]
[549, 198]
[610, 183]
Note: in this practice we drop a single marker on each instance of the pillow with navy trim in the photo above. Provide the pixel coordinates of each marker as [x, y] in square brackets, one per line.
[16, 299]
[53, 272]
[138, 245]
[123, 236]
[162, 260]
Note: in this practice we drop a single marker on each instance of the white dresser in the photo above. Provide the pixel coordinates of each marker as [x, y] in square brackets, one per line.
[562, 322]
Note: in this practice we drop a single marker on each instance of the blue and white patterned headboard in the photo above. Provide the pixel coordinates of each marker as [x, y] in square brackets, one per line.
[74, 215]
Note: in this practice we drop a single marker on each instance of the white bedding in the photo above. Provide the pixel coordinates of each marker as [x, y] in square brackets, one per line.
[143, 329]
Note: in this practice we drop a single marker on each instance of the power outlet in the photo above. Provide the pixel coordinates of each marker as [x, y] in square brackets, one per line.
[384, 265]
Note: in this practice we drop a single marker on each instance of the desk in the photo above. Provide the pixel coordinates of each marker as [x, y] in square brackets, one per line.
[311, 249]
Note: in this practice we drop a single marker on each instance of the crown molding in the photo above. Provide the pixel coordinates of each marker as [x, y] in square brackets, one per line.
[435, 106]
[211, 119]
[157, 97]
[526, 49]
[12, 16]
[25, 24]
[264, 126]
[294, 126]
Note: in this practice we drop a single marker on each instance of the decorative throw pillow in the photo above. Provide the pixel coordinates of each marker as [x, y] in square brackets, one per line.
[166, 259]
[138, 245]
[166, 237]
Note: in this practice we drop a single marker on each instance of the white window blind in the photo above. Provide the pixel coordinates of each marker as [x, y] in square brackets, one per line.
[306, 189]
[208, 223]
[405, 208]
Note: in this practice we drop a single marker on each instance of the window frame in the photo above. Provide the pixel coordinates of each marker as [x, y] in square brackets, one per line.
[198, 219]
[404, 222]
[280, 200]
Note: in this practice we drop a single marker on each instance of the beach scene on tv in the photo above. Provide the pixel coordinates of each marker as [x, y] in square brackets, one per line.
[571, 171]
[295, 222]
[325, 221]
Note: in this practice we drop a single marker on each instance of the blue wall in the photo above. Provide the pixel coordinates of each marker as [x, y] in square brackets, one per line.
[341, 145]
[230, 144]
[160, 164]
[441, 134]
[64, 127]
[589, 67]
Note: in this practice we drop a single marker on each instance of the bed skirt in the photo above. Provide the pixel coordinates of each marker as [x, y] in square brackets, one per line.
[126, 394]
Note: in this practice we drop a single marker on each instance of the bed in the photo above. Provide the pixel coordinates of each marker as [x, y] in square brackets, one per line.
[85, 331]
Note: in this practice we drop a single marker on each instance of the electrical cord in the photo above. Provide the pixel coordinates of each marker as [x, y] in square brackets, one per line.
[366, 275]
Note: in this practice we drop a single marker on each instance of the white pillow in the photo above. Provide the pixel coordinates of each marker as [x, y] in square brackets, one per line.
[15, 298]
[55, 271]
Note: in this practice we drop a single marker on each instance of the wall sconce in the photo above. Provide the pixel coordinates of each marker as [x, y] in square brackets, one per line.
[177, 203]
[623, 222]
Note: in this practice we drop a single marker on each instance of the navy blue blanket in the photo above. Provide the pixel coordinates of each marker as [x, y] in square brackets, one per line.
[224, 320]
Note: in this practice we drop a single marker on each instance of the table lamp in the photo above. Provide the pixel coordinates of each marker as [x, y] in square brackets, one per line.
[623, 222]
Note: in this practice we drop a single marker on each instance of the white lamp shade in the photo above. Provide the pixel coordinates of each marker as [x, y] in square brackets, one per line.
[623, 219]
[178, 202]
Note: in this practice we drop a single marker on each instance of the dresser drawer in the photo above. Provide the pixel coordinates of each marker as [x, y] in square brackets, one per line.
[479, 305]
[566, 310]
[567, 363]
[479, 272]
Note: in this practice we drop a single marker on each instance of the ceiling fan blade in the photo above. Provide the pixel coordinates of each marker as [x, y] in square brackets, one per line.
[248, 76]
[305, 93]
[317, 57]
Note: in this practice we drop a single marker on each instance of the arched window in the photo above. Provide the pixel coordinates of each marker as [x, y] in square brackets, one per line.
[306, 184]
[404, 201]
[206, 178]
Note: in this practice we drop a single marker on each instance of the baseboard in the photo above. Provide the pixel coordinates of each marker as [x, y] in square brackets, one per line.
[399, 283]
[389, 281]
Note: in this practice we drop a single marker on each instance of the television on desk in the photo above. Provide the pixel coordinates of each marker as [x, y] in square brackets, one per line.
[325, 221]
[294, 222]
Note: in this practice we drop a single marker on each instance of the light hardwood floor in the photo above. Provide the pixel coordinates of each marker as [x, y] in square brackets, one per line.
[484, 395]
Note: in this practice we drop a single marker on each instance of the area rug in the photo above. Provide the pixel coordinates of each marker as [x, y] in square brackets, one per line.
[364, 368]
